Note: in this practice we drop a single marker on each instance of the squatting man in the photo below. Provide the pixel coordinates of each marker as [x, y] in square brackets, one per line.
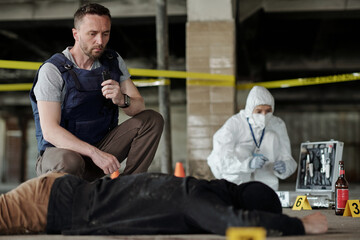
[76, 97]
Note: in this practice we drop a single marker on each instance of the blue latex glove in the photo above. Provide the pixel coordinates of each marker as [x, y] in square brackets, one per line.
[280, 166]
[258, 161]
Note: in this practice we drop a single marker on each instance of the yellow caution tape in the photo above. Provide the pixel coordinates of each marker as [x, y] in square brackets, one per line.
[302, 81]
[19, 65]
[151, 82]
[15, 87]
[179, 74]
[192, 78]
[201, 82]
[133, 71]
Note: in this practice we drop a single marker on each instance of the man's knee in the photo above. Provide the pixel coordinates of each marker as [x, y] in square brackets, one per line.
[72, 162]
[152, 118]
[61, 160]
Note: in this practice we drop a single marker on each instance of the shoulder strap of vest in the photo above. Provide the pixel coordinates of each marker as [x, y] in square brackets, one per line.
[65, 65]
[61, 62]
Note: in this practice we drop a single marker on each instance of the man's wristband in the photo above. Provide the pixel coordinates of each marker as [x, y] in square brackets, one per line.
[126, 101]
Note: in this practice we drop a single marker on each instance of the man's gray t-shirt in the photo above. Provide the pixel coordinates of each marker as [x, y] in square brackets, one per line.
[50, 84]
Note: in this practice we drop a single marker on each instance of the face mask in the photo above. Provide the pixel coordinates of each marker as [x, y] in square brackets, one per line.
[261, 120]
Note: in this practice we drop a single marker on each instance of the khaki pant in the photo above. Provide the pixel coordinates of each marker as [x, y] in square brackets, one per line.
[24, 209]
[136, 139]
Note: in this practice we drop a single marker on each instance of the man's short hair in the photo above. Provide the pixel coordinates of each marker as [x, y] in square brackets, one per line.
[90, 8]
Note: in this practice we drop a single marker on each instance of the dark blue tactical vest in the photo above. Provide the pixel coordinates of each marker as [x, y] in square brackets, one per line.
[85, 112]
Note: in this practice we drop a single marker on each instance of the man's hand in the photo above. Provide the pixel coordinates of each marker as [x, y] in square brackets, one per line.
[315, 223]
[107, 162]
[111, 90]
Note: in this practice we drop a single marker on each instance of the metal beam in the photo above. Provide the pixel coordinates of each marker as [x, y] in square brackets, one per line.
[64, 9]
[164, 99]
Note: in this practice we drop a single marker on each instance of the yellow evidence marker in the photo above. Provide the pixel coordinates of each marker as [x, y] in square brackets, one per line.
[352, 208]
[245, 233]
[301, 202]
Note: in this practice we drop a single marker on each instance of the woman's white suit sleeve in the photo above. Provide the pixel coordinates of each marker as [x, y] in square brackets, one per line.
[229, 158]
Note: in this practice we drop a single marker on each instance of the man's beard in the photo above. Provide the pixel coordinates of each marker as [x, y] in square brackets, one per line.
[88, 52]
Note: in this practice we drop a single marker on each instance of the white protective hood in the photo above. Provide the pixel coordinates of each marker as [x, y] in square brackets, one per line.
[258, 96]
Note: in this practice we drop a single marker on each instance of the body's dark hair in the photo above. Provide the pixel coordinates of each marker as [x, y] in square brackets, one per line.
[90, 8]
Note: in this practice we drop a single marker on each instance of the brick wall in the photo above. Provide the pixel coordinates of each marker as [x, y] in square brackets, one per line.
[210, 48]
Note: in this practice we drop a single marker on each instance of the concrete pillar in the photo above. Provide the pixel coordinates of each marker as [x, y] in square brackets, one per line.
[210, 48]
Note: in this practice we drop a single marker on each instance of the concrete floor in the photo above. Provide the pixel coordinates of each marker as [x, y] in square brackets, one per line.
[346, 228]
[339, 228]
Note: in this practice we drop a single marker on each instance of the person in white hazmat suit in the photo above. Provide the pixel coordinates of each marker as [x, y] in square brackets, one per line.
[253, 145]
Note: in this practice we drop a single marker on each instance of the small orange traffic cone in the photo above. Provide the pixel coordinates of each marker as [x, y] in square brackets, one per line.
[179, 170]
[115, 174]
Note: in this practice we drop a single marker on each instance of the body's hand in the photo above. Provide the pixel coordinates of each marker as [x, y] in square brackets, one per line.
[107, 162]
[315, 223]
[111, 90]
[280, 166]
[258, 161]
